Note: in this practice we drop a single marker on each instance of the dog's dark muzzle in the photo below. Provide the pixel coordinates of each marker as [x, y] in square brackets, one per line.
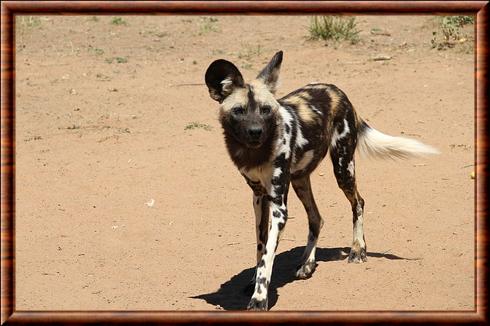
[254, 135]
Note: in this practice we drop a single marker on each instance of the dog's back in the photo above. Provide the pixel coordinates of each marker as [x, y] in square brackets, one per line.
[324, 114]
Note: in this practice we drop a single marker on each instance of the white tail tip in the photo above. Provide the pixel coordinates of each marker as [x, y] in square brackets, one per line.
[376, 144]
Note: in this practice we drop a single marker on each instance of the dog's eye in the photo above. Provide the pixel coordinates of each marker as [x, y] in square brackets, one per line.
[238, 110]
[265, 109]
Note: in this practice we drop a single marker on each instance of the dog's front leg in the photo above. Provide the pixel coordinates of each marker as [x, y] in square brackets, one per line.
[261, 209]
[278, 200]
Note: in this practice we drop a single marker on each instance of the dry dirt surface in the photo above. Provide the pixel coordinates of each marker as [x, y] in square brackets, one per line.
[126, 197]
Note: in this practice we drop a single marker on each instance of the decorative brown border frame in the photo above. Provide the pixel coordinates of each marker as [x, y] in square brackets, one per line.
[11, 8]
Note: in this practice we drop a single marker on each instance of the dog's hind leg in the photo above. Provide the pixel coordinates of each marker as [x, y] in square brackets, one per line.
[342, 154]
[302, 187]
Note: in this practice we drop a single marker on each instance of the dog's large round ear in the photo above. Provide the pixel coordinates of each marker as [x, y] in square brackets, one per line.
[221, 78]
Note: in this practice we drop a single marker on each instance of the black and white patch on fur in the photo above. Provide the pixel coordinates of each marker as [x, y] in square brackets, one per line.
[276, 143]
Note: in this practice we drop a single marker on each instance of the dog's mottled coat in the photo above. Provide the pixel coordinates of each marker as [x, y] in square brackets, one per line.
[278, 142]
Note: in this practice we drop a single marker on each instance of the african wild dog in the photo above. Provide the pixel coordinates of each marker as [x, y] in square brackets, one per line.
[275, 142]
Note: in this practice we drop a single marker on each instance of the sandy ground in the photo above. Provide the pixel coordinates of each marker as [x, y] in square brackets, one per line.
[104, 128]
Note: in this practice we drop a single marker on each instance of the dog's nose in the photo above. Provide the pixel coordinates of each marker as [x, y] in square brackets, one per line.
[255, 132]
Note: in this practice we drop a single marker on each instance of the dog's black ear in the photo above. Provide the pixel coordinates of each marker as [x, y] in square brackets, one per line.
[270, 74]
[222, 77]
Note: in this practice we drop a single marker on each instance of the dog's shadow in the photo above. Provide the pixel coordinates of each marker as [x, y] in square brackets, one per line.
[235, 293]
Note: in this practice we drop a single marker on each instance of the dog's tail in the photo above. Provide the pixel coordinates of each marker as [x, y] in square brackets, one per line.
[374, 143]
